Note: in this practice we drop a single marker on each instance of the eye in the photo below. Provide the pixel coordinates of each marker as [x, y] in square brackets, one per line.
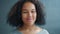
[24, 11]
[33, 11]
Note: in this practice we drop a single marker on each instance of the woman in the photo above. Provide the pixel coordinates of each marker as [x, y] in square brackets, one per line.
[26, 15]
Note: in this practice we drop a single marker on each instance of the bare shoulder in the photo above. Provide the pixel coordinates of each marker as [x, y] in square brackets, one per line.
[45, 31]
[42, 30]
[39, 28]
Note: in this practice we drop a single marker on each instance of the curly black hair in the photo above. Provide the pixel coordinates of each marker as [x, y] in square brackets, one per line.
[14, 16]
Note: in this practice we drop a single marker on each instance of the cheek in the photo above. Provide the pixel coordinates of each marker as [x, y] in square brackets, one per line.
[34, 16]
[24, 16]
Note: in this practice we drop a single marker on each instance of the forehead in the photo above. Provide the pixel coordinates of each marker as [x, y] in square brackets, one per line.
[28, 5]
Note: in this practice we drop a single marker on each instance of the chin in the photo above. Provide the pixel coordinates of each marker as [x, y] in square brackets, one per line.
[30, 23]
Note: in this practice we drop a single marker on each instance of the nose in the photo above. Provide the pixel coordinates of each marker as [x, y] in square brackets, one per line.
[29, 14]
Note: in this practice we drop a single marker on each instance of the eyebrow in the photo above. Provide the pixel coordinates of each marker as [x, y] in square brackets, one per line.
[25, 9]
[33, 9]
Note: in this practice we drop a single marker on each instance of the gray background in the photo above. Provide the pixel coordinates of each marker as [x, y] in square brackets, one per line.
[52, 10]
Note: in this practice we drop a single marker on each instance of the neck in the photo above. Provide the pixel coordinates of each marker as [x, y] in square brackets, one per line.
[28, 26]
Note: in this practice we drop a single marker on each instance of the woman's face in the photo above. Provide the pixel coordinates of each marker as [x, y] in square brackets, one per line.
[29, 13]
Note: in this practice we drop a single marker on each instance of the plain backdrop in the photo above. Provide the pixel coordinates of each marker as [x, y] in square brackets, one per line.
[52, 10]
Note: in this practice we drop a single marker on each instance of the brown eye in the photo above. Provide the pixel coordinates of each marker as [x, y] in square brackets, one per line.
[24, 12]
[33, 11]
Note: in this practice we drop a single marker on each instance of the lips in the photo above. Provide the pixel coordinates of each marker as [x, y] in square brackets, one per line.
[29, 19]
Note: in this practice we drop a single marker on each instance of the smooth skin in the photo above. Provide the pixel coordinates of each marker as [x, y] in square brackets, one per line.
[29, 17]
